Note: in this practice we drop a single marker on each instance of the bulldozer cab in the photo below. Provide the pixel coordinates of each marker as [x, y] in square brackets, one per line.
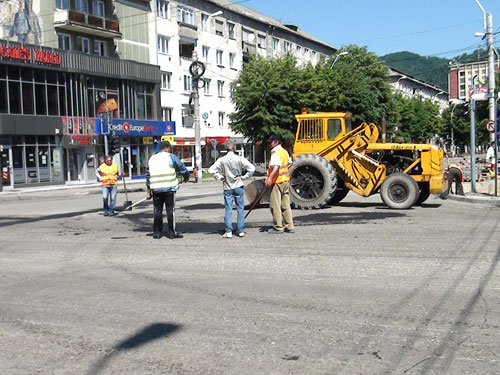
[316, 131]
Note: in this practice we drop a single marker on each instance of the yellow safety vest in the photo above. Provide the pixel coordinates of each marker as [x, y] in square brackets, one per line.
[162, 174]
[109, 174]
[283, 174]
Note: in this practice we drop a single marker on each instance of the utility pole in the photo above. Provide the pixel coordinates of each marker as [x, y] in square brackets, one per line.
[491, 72]
[473, 145]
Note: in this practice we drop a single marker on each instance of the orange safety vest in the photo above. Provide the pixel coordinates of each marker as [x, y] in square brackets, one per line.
[109, 174]
[283, 174]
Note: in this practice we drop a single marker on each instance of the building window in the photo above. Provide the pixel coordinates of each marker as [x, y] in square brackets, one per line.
[166, 80]
[248, 36]
[261, 40]
[162, 44]
[206, 88]
[82, 44]
[219, 25]
[221, 119]
[62, 4]
[313, 56]
[287, 46]
[220, 88]
[162, 8]
[166, 113]
[204, 22]
[298, 51]
[185, 15]
[230, 30]
[186, 48]
[100, 47]
[64, 41]
[204, 51]
[276, 44]
[98, 8]
[219, 57]
[81, 6]
[231, 60]
[187, 117]
[187, 83]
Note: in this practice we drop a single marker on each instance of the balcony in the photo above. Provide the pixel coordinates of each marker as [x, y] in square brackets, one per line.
[72, 20]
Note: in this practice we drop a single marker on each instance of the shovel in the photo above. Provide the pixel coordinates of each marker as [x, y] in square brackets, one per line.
[127, 206]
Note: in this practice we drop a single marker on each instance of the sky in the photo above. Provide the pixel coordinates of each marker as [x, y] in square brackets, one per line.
[441, 28]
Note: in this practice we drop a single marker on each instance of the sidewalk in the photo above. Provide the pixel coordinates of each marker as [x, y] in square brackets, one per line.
[485, 193]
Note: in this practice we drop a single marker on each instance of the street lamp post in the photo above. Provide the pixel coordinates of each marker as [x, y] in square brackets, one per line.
[337, 57]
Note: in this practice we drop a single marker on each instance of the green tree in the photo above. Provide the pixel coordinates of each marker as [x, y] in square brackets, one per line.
[269, 92]
[413, 120]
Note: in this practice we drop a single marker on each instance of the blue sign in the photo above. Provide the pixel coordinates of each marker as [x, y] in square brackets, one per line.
[141, 128]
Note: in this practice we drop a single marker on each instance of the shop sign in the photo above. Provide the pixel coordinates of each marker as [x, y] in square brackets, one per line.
[136, 127]
[81, 140]
[147, 140]
[29, 55]
[479, 93]
[216, 140]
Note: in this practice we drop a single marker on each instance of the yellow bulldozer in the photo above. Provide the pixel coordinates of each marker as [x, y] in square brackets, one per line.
[331, 158]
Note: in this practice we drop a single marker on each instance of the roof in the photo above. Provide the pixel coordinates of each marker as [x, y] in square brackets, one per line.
[422, 82]
[252, 14]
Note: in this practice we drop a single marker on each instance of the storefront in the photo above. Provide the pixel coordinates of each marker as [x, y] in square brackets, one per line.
[50, 103]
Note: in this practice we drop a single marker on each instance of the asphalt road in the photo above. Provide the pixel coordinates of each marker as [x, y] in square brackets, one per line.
[357, 289]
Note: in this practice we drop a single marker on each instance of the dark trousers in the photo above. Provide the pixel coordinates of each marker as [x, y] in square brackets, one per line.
[159, 200]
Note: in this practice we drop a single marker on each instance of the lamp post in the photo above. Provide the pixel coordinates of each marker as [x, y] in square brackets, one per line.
[337, 57]
[488, 27]
[457, 102]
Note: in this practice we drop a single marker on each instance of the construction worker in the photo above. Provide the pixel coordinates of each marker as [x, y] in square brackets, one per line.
[278, 180]
[162, 183]
[108, 173]
[229, 169]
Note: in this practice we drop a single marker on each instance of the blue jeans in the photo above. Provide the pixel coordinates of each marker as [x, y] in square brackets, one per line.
[237, 196]
[109, 191]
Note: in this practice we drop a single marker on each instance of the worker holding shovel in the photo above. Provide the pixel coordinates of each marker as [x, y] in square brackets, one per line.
[108, 173]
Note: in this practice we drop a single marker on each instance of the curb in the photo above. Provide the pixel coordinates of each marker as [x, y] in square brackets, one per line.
[476, 199]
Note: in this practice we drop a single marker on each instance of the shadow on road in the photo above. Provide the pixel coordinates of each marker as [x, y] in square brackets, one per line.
[10, 220]
[150, 333]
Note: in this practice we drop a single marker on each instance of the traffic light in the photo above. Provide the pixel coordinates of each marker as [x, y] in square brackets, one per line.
[113, 144]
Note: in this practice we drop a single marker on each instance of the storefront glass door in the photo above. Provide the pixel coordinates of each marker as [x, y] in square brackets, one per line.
[6, 167]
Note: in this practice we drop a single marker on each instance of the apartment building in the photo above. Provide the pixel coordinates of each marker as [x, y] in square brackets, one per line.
[411, 87]
[463, 77]
[223, 35]
[63, 83]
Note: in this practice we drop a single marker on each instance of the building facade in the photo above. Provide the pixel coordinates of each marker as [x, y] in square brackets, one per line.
[222, 35]
[462, 78]
[411, 87]
[63, 84]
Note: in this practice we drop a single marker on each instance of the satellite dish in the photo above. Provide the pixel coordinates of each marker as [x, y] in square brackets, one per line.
[251, 38]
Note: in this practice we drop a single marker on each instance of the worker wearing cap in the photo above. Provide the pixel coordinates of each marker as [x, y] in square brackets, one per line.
[278, 180]
[108, 173]
[162, 183]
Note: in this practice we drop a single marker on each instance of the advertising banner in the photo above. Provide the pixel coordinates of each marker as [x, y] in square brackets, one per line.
[141, 128]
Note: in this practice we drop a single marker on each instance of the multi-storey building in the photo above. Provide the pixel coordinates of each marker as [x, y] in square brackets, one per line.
[222, 35]
[411, 87]
[61, 79]
[70, 68]
[464, 77]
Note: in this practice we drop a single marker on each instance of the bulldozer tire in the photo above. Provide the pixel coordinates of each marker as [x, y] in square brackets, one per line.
[313, 182]
[399, 191]
[424, 193]
[340, 193]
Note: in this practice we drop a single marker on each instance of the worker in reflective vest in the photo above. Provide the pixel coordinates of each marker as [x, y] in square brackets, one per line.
[108, 173]
[278, 180]
[162, 183]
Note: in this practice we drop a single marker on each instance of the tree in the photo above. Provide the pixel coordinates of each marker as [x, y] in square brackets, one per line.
[413, 120]
[269, 92]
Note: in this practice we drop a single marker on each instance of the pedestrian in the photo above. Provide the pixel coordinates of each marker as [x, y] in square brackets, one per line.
[278, 180]
[162, 183]
[490, 156]
[229, 169]
[108, 173]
